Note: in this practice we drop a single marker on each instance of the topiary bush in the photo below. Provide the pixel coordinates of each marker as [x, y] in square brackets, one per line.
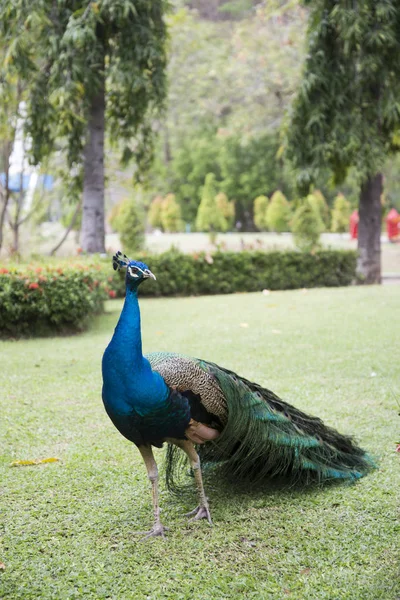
[227, 210]
[154, 214]
[340, 214]
[127, 219]
[40, 301]
[171, 216]
[307, 225]
[318, 202]
[260, 212]
[277, 216]
[209, 217]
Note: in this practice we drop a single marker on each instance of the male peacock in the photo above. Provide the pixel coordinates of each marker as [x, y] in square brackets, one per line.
[184, 401]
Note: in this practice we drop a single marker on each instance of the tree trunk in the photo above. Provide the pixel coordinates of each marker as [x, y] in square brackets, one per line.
[5, 195]
[369, 231]
[92, 231]
[15, 242]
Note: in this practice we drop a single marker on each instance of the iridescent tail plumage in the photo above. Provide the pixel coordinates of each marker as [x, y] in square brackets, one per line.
[265, 437]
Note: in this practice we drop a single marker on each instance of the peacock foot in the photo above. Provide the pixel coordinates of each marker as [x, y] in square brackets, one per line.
[158, 529]
[200, 512]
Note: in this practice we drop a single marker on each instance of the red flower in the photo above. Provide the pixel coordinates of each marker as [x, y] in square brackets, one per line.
[38, 270]
[112, 294]
[3, 271]
[398, 448]
[33, 286]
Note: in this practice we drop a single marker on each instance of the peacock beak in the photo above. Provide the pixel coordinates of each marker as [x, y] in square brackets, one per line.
[148, 273]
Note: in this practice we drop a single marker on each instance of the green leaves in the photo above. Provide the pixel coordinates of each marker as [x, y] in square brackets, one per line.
[65, 51]
[346, 111]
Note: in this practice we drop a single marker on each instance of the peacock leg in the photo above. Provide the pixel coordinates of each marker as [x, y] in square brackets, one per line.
[202, 511]
[152, 473]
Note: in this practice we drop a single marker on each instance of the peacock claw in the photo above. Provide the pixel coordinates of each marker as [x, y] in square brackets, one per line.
[200, 512]
[158, 529]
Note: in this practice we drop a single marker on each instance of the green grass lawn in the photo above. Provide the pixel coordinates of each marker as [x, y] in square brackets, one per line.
[67, 529]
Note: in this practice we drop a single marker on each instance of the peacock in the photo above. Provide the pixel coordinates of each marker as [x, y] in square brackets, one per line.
[212, 414]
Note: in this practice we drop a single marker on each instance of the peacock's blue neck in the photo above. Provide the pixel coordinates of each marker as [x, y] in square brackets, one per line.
[127, 333]
[129, 381]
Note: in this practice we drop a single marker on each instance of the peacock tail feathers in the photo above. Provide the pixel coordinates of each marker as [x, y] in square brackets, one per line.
[261, 435]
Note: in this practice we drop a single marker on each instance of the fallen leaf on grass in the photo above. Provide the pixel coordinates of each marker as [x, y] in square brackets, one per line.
[305, 572]
[36, 461]
[2, 566]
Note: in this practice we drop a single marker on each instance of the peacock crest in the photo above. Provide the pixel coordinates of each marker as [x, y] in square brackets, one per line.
[120, 261]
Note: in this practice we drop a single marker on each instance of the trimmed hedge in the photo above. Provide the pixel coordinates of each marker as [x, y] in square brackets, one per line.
[61, 297]
[228, 272]
[37, 301]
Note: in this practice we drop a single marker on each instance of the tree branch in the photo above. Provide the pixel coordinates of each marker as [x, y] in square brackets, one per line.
[70, 226]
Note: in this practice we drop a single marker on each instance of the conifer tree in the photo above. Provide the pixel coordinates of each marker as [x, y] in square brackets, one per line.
[260, 212]
[154, 214]
[307, 225]
[347, 110]
[227, 210]
[340, 214]
[171, 216]
[278, 213]
[318, 201]
[209, 217]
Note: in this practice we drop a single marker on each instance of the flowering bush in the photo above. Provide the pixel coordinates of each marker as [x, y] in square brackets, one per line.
[39, 300]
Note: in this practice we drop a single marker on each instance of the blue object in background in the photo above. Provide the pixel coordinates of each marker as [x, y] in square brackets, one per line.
[14, 182]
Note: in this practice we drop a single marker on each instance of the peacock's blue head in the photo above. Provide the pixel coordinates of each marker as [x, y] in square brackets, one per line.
[136, 271]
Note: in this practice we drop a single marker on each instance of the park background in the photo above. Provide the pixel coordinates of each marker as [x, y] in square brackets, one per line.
[227, 144]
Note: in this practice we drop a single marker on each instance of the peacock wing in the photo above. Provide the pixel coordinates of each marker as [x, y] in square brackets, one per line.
[185, 373]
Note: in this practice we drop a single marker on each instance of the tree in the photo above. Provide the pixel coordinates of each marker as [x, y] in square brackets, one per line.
[347, 111]
[154, 214]
[278, 213]
[209, 217]
[127, 219]
[171, 216]
[227, 210]
[340, 214]
[260, 212]
[88, 65]
[307, 225]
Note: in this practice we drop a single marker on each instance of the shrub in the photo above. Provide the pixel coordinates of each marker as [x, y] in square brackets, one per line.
[171, 217]
[307, 226]
[35, 301]
[228, 272]
[128, 220]
[227, 210]
[278, 213]
[340, 214]
[209, 217]
[319, 203]
[154, 215]
[260, 212]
